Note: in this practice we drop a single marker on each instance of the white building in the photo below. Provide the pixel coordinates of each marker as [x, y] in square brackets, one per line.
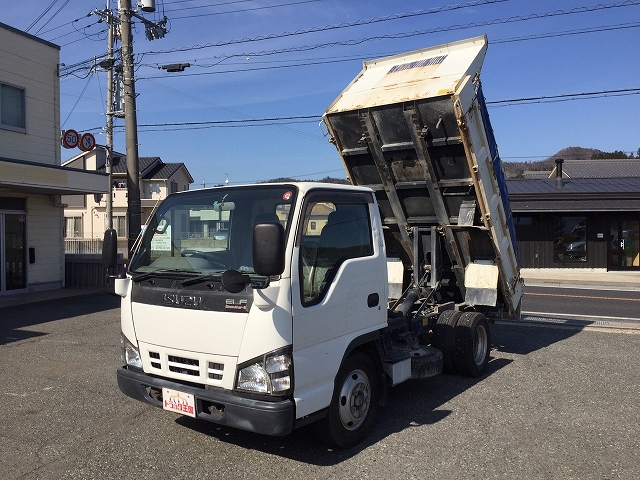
[31, 177]
[85, 215]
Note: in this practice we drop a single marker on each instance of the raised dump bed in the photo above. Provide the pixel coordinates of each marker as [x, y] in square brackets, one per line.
[414, 127]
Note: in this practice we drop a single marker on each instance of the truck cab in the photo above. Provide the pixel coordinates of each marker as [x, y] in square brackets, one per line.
[250, 330]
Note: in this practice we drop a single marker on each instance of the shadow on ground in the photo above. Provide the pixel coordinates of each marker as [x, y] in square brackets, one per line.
[16, 322]
[411, 404]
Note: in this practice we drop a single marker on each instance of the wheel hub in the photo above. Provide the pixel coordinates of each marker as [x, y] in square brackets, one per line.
[355, 398]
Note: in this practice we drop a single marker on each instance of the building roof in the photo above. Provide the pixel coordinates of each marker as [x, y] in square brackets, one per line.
[151, 168]
[164, 171]
[119, 164]
[581, 194]
[574, 186]
[29, 36]
[600, 168]
[536, 174]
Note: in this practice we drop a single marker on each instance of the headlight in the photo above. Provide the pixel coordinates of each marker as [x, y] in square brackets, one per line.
[130, 353]
[269, 374]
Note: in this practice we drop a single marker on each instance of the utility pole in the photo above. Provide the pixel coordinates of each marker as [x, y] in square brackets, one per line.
[109, 133]
[131, 125]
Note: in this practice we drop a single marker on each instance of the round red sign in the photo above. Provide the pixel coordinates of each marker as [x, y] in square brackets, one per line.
[70, 139]
[87, 142]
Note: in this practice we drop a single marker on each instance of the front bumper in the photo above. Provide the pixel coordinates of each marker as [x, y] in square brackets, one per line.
[215, 405]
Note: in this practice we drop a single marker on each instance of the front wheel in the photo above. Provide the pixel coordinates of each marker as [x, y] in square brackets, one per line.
[354, 403]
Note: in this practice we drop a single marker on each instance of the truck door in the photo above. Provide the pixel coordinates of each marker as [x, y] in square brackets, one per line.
[339, 289]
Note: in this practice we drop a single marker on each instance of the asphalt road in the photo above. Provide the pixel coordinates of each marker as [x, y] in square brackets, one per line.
[555, 403]
[597, 305]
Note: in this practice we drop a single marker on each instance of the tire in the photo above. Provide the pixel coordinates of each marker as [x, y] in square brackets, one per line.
[472, 343]
[354, 404]
[443, 336]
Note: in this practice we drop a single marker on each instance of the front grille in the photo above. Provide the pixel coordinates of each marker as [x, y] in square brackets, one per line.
[185, 361]
[184, 366]
[215, 371]
[187, 366]
[155, 356]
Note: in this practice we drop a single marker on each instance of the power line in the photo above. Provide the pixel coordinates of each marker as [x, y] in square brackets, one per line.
[266, 7]
[53, 16]
[567, 96]
[76, 104]
[400, 35]
[272, 36]
[497, 21]
[567, 33]
[233, 112]
[310, 61]
[255, 122]
[46, 10]
[183, 8]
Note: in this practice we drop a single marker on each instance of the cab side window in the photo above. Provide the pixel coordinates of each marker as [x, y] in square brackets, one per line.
[331, 234]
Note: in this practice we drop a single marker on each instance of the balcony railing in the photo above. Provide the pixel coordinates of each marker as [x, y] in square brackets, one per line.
[83, 245]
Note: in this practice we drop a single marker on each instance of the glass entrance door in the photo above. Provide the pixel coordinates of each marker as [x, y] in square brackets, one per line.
[624, 244]
[13, 238]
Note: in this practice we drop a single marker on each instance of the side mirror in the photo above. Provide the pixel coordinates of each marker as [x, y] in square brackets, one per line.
[110, 249]
[268, 249]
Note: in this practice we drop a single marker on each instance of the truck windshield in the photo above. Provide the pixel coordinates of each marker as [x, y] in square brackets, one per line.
[209, 231]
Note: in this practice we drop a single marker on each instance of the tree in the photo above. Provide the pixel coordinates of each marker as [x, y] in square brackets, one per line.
[611, 155]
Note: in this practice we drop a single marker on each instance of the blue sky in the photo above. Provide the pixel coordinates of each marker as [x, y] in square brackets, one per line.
[579, 47]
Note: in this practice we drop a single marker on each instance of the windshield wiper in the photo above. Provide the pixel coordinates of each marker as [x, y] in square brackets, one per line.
[201, 278]
[143, 276]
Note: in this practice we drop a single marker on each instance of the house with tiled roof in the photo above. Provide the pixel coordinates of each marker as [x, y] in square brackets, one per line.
[85, 216]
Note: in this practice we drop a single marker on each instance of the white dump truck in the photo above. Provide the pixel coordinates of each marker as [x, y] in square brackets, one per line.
[271, 306]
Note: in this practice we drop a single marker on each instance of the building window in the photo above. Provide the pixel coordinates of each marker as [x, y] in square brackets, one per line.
[174, 187]
[73, 227]
[12, 108]
[570, 244]
[120, 224]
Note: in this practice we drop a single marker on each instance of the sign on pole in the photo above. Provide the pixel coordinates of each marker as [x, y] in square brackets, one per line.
[70, 139]
[87, 142]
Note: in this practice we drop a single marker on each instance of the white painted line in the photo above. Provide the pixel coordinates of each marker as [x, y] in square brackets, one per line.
[580, 317]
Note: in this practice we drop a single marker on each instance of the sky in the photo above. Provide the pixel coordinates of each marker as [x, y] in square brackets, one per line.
[253, 61]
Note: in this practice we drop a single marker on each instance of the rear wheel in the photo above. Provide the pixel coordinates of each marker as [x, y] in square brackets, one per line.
[472, 342]
[354, 403]
[443, 337]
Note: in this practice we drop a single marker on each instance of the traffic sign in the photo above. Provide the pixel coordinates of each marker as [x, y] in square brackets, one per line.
[70, 139]
[87, 142]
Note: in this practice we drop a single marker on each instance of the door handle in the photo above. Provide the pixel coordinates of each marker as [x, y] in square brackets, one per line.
[373, 300]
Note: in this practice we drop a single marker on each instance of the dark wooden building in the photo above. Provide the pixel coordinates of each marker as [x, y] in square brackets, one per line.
[577, 222]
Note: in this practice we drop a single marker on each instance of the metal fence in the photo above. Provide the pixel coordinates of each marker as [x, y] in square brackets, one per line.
[83, 270]
[91, 246]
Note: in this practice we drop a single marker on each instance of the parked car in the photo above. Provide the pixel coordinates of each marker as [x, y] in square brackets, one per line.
[221, 234]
